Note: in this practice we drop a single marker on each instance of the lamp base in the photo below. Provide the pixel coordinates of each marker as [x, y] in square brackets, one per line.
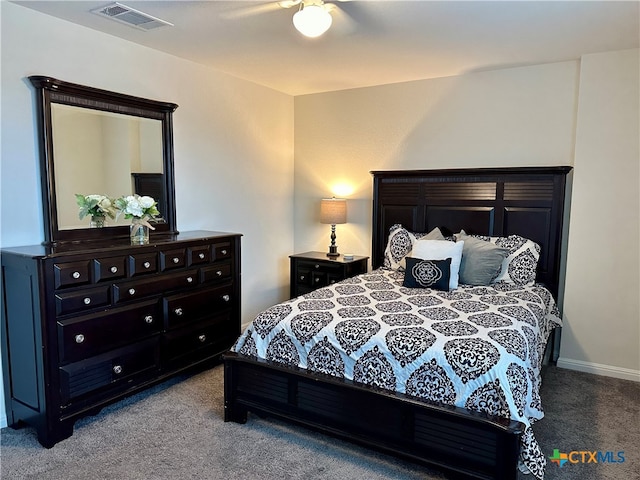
[333, 252]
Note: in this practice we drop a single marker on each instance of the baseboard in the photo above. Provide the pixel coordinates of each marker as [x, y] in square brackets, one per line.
[3, 420]
[599, 369]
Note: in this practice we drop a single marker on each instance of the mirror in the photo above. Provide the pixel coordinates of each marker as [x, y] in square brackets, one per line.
[94, 141]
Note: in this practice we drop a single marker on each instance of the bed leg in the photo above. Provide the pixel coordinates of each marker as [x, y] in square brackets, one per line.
[232, 411]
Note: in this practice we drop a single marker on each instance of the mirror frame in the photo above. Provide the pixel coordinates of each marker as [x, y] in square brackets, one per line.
[50, 90]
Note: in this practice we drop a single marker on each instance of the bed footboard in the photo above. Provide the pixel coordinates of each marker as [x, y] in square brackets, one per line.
[450, 438]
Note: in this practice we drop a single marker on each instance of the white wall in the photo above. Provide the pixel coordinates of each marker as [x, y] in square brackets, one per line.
[513, 117]
[233, 141]
[603, 256]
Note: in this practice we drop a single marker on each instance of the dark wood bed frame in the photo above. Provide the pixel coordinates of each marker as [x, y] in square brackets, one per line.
[497, 201]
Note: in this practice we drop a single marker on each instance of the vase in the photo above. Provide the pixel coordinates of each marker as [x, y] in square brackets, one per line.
[96, 222]
[139, 233]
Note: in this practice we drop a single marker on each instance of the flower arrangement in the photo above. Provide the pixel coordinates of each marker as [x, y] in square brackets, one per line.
[134, 206]
[95, 206]
[140, 210]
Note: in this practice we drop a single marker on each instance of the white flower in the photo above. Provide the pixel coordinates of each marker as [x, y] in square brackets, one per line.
[146, 202]
[134, 206]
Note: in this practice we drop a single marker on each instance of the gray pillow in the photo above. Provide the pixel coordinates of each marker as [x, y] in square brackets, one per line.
[481, 261]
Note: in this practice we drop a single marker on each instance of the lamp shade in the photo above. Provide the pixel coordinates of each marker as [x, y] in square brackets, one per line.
[312, 20]
[333, 211]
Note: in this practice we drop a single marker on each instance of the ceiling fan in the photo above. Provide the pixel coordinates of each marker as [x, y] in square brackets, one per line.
[312, 19]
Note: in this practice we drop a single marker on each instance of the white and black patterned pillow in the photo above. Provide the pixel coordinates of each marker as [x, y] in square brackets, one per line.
[427, 274]
[522, 262]
[400, 244]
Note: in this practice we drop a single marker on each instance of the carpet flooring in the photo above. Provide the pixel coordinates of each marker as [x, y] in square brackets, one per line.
[176, 431]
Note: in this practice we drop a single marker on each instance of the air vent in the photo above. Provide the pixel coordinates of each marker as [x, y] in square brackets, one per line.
[131, 16]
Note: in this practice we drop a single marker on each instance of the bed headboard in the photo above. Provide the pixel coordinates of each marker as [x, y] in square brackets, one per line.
[528, 201]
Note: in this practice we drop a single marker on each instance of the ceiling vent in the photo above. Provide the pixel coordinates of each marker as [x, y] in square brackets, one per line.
[131, 16]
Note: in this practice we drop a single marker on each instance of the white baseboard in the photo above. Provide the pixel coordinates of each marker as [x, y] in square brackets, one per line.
[3, 420]
[599, 369]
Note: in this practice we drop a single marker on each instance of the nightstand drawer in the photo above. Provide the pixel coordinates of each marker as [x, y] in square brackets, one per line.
[313, 270]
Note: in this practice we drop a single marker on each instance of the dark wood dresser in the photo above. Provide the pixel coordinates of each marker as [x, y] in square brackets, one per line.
[88, 323]
[312, 270]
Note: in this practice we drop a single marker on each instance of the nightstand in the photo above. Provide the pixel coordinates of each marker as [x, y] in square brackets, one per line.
[312, 270]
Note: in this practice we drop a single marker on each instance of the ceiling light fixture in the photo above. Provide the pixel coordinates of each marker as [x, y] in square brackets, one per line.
[313, 19]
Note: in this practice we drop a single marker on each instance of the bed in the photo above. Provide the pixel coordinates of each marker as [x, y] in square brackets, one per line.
[447, 377]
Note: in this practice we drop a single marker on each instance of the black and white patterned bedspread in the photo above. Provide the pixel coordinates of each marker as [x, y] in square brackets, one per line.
[480, 348]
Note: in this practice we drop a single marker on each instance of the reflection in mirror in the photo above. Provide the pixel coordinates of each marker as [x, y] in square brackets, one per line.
[97, 152]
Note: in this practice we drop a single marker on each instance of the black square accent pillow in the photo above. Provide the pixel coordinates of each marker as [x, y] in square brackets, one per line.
[427, 274]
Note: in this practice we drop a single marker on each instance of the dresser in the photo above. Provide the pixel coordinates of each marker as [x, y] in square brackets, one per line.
[312, 270]
[88, 323]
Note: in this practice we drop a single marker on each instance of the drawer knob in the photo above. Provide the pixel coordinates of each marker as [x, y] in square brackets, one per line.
[189, 279]
[75, 274]
[176, 260]
[201, 256]
[146, 264]
[317, 280]
[132, 291]
[178, 311]
[117, 369]
[114, 269]
[301, 277]
[202, 338]
[224, 252]
[87, 300]
[219, 273]
[226, 298]
[148, 319]
[317, 266]
[79, 338]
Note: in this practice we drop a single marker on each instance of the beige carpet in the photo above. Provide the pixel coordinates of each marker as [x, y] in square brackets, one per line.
[176, 431]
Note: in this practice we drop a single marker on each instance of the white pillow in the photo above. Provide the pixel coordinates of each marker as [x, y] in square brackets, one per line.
[441, 250]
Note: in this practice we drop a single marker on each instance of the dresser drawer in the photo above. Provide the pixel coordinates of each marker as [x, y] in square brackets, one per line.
[199, 255]
[109, 268]
[171, 259]
[123, 292]
[71, 274]
[185, 308]
[81, 300]
[222, 251]
[199, 341]
[215, 272]
[109, 370]
[143, 263]
[89, 335]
